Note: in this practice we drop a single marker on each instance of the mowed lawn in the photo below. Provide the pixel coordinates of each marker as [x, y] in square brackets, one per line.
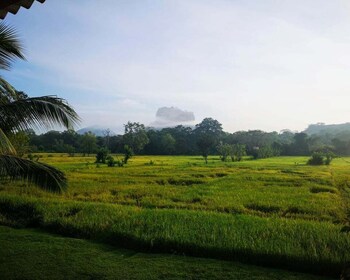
[274, 212]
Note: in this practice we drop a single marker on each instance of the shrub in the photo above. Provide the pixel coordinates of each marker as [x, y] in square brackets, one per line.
[224, 150]
[151, 162]
[33, 157]
[101, 155]
[110, 161]
[128, 153]
[316, 159]
[319, 158]
[328, 159]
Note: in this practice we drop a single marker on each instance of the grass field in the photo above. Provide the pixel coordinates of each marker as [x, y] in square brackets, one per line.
[43, 256]
[275, 212]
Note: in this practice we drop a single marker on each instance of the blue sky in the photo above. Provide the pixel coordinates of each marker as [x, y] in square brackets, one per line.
[250, 64]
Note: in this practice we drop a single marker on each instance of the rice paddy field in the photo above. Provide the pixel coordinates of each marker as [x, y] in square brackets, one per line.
[244, 220]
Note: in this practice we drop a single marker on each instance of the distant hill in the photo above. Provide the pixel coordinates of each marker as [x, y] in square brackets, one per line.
[97, 130]
[333, 129]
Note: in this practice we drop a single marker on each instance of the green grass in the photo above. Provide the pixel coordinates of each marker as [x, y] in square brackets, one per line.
[275, 212]
[295, 244]
[40, 255]
[265, 187]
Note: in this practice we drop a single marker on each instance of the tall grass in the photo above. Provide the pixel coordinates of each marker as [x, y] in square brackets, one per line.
[271, 187]
[277, 212]
[63, 258]
[308, 246]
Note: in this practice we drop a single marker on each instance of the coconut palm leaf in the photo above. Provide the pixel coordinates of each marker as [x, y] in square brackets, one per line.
[10, 46]
[6, 147]
[18, 112]
[42, 175]
[38, 113]
[7, 92]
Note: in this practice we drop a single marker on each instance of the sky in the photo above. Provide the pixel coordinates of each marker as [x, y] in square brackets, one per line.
[250, 64]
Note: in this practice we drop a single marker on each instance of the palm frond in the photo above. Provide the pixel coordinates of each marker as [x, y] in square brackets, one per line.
[40, 174]
[10, 46]
[7, 92]
[6, 148]
[38, 113]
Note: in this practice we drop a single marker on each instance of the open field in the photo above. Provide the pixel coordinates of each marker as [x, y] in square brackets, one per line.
[274, 212]
[44, 256]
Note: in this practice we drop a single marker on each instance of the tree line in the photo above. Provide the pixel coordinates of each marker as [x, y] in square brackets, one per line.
[205, 138]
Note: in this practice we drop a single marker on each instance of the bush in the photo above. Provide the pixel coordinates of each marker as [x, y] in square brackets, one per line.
[328, 159]
[316, 159]
[128, 153]
[151, 162]
[101, 155]
[33, 157]
[110, 161]
[264, 152]
[320, 159]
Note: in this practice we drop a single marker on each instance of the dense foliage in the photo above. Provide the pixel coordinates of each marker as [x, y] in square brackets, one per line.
[203, 139]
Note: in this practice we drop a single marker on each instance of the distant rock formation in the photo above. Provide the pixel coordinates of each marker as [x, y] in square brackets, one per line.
[172, 116]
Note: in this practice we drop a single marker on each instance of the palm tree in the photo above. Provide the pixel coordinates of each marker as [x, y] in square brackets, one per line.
[18, 112]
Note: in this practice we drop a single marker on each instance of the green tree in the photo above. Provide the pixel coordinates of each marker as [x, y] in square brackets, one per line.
[264, 152]
[300, 147]
[88, 143]
[135, 136]
[70, 137]
[102, 155]
[18, 112]
[184, 138]
[237, 152]
[20, 141]
[128, 153]
[225, 150]
[168, 143]
[208, 134]
[317, 158]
